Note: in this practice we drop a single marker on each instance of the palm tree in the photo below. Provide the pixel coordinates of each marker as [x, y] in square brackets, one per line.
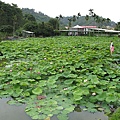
[58, 18]
[74, 18]
[108, 20]
[78, 15]
[91, 12]
[70, 22]
[87, 17]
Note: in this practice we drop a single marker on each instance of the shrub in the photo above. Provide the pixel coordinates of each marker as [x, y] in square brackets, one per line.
[116, 115]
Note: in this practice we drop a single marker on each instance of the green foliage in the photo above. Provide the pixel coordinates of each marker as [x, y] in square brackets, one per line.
[6, 29]
[51, 74]
[117, 27]
[8, 13]
[54, 23]
[31, 26]
[29, 17]
[2, 36]
[39, 16]
[115, 115]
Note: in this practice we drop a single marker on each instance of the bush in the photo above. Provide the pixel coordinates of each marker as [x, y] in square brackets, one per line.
[116, 115]
[2, 36]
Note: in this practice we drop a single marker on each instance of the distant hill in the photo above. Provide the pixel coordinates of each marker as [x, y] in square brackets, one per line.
[41, 17]
[83, 22]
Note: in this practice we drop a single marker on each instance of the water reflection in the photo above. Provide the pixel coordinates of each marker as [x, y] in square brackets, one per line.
[12, 112]
[84, 115]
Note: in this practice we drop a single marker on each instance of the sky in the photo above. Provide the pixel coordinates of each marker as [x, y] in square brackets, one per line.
[52, 8]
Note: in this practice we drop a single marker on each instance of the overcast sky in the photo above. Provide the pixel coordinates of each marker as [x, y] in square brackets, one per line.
[105, 8]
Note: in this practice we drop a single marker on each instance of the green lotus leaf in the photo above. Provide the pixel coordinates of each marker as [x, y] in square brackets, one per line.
[90, 105]
[111, 98]
[52, 102]
[112, 76]
[70, 108]
[19, 91]
[93, 79]
[62, 117]
[37, 91]
[51, 82]
[26, 94]
[77, 97]
[35, 117]
[31, 80]
[69, 81]
[99, 91]
[42, 83]
[24, 83]
[10, 91]
[93, 110]
[72, 76]
[59, 108]
[15, 81]
[91, 86]
[54, 77]
[85, 91]
[101, 97]
[38, 77]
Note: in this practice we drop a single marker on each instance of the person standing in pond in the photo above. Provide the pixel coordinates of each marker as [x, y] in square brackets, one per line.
[111, 44]
[111, 49]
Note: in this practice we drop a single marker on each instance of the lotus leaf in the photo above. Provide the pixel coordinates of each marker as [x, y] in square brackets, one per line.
[37, 91]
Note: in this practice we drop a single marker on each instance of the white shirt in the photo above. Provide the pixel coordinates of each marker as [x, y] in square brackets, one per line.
[111, 44]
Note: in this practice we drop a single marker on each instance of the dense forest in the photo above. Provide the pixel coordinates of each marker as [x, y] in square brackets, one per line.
[13, 20]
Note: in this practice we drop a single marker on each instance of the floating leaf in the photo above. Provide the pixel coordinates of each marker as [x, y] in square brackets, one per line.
[37, 91]
[24, 83]
[62, 117]
[69, 82]
[93, 79]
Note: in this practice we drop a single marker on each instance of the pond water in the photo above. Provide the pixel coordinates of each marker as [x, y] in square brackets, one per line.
[12, 112]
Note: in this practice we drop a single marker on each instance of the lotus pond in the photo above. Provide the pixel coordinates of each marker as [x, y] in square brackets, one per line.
[52, 76]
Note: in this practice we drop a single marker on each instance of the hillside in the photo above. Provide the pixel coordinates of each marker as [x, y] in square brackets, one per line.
[41, 17]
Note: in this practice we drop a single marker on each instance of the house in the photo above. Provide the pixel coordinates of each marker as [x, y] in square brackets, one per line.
[27, 33]
[103, 32]
[80, 30]
[90, 30]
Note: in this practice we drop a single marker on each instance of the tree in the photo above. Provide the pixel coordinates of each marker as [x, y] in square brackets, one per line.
[70, 20]
[29, 17]
[10, 15]
[117, 27]
[91, 12]
[87, 17]
[6, 29]
[31, 26]
[54, 23]
[58, 18]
